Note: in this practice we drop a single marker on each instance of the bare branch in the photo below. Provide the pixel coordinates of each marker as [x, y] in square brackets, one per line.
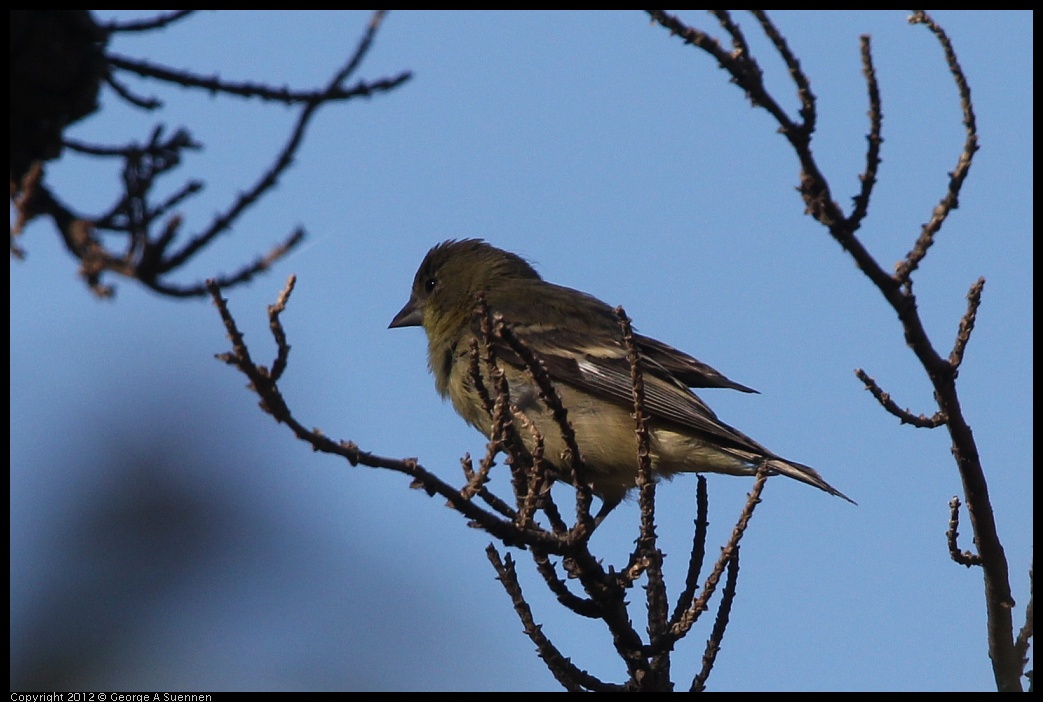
[1021, 643]
[121, 89]
[273, 403]
[808, 111]
[502, 433]
[275, 324]
[489, 498]
[688, 619]
[245, 273]
[268, 180]
[739, 45]
[965, 558]
[904, 415]
[743, 68]
[157, 22]
[967, 323]
[584, 523]
[647, 552]
[951, 200]
[874, 140]
[285, 95]
[148, 252]
[581, 606]
[713, 644]
[564, 671]
[695, 560]
[25, 197]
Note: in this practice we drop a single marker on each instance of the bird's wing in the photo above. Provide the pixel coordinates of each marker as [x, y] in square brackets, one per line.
[604, 371]
[599, 318]
[691, 371]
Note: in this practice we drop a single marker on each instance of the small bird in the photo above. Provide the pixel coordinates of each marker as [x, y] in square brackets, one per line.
[578, 340]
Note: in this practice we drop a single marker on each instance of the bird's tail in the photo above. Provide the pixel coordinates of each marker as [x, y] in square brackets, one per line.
[805, 474]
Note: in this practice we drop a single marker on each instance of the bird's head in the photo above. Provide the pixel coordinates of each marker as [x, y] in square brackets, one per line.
[446, 286]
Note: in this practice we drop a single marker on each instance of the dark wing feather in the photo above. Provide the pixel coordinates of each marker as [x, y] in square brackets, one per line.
[591, 357]
[691, 371]
[605, 372]
[602, 321]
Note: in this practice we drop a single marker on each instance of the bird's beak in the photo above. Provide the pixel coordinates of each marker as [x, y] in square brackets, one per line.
[408, 316]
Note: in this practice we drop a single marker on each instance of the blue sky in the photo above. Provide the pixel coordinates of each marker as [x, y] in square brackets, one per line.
[622, 163]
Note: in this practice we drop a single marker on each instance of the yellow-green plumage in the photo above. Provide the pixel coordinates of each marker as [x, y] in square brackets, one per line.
[578, 339]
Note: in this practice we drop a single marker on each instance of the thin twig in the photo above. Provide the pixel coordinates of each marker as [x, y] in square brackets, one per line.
[688, 619]
[582, 606]
[904, 415]
[223, 222]
[1024, 638]
[647, 552]
[967, 323]
[965, 558]
[808, 110]
[698, 553]
[564, 671]
[215, 84]
[157, 22]
[713, 644]
[873, 139]
[483, 492]
[278, 333]
[584, 522]
[124, 91]
[951, 200]
[273, 403]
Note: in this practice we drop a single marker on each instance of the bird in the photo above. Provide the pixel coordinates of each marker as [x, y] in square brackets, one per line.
[579, 342]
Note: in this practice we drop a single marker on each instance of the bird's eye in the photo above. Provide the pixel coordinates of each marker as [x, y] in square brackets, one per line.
[430, 284]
